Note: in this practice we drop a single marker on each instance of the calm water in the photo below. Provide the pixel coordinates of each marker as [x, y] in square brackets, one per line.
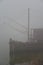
[4, 52]
[23, 64]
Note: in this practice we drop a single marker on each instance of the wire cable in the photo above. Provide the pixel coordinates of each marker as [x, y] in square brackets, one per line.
[15, 22]
[14, 28]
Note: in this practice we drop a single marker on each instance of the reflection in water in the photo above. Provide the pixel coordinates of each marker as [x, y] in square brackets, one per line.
[23, 64]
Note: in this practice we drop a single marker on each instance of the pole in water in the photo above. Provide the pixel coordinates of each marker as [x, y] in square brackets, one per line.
[28, 24]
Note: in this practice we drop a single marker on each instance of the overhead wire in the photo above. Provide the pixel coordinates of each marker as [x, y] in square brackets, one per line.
[16, 22]
[14, 28]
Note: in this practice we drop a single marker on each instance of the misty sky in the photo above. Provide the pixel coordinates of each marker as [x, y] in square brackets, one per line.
[18, 11]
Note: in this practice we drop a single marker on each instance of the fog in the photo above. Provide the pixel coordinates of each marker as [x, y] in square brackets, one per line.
[18, 11]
